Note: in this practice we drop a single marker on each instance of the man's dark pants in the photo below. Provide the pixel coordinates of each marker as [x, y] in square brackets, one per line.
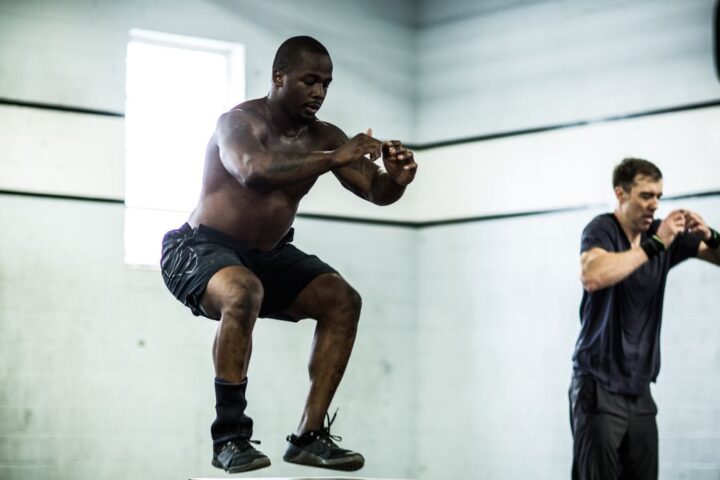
[615, 436]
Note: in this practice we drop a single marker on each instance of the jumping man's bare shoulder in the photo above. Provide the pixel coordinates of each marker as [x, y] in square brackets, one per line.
[332, 137]
[245, 119]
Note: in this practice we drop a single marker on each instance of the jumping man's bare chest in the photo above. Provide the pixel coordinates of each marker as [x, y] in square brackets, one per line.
[297, 145]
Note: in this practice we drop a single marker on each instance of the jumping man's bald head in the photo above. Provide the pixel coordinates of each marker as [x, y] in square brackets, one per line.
[290, 54]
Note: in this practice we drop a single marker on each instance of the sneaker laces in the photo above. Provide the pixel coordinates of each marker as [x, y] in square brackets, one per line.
[326, 430]
[240, 442]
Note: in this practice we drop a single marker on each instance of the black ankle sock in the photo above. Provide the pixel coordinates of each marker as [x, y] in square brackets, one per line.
[222, 381]
[306, 438]
[231, 422]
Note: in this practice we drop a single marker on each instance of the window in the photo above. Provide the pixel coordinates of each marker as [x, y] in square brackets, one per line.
[176, 88]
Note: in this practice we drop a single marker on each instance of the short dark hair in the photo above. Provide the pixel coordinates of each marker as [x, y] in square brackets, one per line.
[289, 54]
[625, 173]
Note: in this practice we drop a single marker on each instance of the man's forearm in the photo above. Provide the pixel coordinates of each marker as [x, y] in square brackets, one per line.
[716, 256]
[710, 254]
[384, 190]
[605, 269]
[709, 249]
[281, 169]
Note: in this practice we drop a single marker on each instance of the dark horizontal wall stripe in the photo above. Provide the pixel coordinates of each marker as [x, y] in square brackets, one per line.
[533, 213]
[60, 196]
[499, 216]
[711, 193]
[420, 146]
[366, 221]
[59, 108]
[386, 223]
[580, 123]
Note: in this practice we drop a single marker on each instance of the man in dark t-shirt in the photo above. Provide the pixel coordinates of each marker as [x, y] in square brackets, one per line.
[625, 258]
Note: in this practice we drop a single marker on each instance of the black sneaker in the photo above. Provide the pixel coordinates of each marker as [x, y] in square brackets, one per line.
[239, 456]
[316, 448]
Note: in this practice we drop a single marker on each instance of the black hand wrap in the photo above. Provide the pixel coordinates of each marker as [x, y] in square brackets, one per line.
[652, 246]
[714, 241]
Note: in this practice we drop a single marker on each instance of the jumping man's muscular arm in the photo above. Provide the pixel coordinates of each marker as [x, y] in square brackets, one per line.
[244, 156]
[367, 180]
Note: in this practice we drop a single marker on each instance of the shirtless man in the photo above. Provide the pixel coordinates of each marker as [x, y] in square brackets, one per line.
[233, 260]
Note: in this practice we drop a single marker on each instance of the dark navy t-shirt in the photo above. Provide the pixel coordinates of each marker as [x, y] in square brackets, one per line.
[619, 341]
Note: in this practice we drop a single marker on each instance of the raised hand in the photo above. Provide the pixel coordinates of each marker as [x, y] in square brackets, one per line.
[399, 162]
[362, 145]
[695, 225]
[671, 226]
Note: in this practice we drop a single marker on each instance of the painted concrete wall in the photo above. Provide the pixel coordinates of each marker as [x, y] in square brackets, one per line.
[72, 53]
[104, 375]
[81, 154]
[498, 319]
[493, 66]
